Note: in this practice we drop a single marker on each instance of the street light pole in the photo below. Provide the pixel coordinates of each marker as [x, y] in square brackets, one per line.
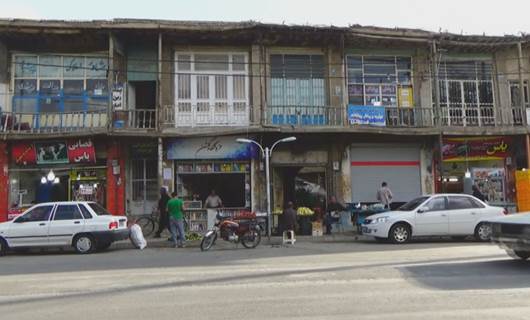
[266, 153]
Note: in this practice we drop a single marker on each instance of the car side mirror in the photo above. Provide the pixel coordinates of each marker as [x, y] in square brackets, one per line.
[423, 209]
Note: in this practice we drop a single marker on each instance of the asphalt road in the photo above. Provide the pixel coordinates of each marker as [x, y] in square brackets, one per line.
[332, 280]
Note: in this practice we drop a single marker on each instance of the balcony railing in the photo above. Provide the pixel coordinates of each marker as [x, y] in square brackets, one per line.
[207, 115]
[56, 122]
[305, 116]
[409, 117]
[141, 119]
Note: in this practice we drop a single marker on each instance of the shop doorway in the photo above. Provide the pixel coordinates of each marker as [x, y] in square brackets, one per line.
[144, 185]
[231, 187]
[304, 186]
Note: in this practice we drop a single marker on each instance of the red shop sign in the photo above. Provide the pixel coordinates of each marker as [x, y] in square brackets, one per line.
[470, 149]
[81, 151]
[52, 152]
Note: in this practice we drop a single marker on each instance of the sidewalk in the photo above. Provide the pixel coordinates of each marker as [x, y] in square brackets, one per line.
[275, 240]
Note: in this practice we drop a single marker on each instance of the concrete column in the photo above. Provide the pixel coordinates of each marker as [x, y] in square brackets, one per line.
[4, 181]
[115, 182]
[257, 83]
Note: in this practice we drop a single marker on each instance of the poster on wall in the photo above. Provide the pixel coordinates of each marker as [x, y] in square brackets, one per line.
[472, 149]
[366, 115]
[490, 181]
[54, 152]
[405, 97]
[210, 148]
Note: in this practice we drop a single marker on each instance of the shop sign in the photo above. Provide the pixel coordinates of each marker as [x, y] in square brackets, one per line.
[209, 148]
[144, 150]
[366, 115]
[473, 149]
[54, 152]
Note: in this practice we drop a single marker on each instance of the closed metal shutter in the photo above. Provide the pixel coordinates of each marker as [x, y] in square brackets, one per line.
[398, 165]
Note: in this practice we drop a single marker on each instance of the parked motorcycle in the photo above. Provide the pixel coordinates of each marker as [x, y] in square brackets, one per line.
[242, 229]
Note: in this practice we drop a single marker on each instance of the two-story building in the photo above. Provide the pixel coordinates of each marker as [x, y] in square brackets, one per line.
[113, 110]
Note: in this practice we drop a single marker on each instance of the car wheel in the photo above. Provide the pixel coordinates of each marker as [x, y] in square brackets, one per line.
[3, 247]
[523, 255]
[84, 244]
[399, 233]
[483, 232]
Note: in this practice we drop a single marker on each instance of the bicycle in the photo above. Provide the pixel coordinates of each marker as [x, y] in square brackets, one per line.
[149, 223]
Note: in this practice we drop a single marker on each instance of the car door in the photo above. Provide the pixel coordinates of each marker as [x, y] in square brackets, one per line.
[464, 213]
[31, 229]
[67, 221]
[431, 218]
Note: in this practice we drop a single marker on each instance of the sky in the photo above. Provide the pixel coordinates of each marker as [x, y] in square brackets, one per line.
[456, 16]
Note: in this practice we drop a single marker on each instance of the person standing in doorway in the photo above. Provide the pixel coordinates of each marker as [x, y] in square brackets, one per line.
[176, 220]
[384, 195]
[213, 201]
[163, 218]
[333, 211]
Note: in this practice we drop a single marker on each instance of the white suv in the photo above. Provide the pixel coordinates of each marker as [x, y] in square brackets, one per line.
[86, 226]
[456, 215]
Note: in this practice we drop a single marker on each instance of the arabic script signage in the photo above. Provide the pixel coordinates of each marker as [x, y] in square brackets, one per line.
[366, 115]
[54, 152]
[469, 149]
[209, 148]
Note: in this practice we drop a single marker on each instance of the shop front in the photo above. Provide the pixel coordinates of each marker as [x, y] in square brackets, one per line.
[397, 164]
[58, 170]
[203, 165]
[486, 162]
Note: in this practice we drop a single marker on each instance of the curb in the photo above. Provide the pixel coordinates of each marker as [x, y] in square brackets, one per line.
[164, 243]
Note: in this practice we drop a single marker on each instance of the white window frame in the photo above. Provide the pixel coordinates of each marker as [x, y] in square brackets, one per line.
[212, 117]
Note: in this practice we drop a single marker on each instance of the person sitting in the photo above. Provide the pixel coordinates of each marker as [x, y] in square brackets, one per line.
[332, 213]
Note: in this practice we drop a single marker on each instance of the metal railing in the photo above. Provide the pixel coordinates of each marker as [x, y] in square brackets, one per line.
[52, 122]
[409, 117]
[143, 119]
[185, 114]
[304, 116]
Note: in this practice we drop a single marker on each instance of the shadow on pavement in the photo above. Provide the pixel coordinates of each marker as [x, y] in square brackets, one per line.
[495, 274]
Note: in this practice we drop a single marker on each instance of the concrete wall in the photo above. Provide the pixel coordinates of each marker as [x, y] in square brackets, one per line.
[4, 78]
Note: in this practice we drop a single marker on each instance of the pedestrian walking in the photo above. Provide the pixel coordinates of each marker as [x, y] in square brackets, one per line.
[163, 218]
[332, 213]
[384, 195]
[176, 220]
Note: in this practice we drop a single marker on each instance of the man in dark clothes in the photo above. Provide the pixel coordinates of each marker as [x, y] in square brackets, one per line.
[332, 213]
[477, 194]
[289, 217]
[163, 219]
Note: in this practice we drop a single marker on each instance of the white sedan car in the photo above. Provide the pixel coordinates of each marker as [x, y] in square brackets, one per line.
[457, 215]
[85, 226]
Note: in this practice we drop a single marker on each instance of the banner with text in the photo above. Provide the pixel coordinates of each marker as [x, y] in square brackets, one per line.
[54, 152]
[366, 115]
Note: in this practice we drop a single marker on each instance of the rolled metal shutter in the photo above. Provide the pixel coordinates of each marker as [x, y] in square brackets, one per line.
[398, 165]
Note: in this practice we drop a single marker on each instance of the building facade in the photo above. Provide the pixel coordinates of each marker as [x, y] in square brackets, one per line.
[111, 111]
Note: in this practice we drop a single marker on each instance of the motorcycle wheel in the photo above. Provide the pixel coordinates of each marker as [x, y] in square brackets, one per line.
[208, 240]
[251, 239]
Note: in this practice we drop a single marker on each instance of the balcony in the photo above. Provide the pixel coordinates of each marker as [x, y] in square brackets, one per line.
[51, 123]
[207, 115]
[136, 119]
[304, 116]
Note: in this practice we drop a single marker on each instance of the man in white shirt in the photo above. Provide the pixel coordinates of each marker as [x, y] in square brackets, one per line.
[213, 201]
[384, 195]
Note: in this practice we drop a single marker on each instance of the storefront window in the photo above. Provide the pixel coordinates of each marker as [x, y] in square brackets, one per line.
[58, 83]
[378, 80]
[230, 180]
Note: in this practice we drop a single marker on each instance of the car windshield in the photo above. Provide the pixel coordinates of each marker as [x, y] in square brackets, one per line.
[99, 210]
[413, 204]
